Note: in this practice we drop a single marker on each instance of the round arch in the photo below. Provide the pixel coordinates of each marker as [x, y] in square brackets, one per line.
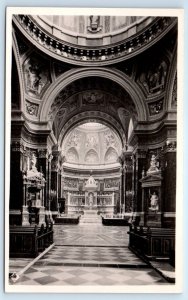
[119, 77]
[19, 71]
[171, 80]
[92, 116]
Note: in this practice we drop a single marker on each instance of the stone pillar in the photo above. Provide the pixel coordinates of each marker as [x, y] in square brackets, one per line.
[128, 183]
[121, 189]
[16, 176]
[48, 180]
[139, 165]
[55, 180]
[43, 168]
[169, 185]
[25, 213]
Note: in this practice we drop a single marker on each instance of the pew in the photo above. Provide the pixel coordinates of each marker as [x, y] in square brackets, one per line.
[29, 241]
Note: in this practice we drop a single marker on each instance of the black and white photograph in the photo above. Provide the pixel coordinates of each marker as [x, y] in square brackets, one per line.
[93, 198]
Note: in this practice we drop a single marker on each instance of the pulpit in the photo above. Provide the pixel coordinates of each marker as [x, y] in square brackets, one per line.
[33, 210]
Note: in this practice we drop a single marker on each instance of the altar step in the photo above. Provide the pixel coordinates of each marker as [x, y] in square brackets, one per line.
[90, 217]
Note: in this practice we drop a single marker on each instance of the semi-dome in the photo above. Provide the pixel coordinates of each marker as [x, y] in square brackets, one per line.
[92, 143]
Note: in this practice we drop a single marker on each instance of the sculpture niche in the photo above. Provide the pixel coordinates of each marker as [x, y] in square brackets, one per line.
[151, 195]
[33, 210]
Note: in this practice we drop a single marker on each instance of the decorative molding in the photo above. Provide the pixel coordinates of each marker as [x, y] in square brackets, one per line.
[22, 46]
[31, 108]
[104, 54]
[174, 93]
[82, 117]
[123, 84]
[155, 107]
[94, 24]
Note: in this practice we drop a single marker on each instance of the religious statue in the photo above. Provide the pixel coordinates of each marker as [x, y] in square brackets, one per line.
[153, 164]
[33, 163]
[90, 199]
[154, 202]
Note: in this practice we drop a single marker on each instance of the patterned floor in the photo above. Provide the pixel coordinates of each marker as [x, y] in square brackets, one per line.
[47, 275]
[91, 235]
[98, 256]
[90, 255]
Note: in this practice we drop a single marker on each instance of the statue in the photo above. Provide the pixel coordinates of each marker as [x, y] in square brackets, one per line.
[153, 164]
[154, 202]
[33, 163]
[90, 199]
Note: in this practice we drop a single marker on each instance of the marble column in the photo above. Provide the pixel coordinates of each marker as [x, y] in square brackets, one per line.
[169, 185]
[43, 167]
[121, 189]
[128, 183]
[55, 180]
[48, 180]
[16, 176]
[139, 165]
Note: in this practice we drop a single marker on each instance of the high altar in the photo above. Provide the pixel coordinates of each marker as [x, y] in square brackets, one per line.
[91, 199]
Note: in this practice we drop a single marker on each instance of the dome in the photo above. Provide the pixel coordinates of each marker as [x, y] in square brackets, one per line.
[90, 144]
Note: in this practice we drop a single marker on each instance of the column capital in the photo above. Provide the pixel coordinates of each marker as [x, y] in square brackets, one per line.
[43, 153]
[141, 153]
[18, 146]
[170, 146]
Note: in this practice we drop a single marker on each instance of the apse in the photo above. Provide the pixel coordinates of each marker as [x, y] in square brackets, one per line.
[92, 143]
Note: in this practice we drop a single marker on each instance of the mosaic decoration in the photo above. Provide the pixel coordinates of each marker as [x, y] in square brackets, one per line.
[154, 76]
[36, 75]
[93, 98]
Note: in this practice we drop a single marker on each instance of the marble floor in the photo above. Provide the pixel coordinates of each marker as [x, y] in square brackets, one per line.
[90, 254]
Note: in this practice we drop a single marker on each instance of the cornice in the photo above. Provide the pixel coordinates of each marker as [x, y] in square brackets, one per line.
[103, 55]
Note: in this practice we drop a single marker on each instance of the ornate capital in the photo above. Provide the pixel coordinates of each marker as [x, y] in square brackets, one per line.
[43, 153]
[17, 147]
[170, 146]
[141, 153]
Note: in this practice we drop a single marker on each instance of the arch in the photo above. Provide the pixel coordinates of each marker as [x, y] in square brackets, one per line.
[98, 116]
[171, 81]
[111, 155]
[19, 71]
[91, 157]
[119, 77]
[72, 155]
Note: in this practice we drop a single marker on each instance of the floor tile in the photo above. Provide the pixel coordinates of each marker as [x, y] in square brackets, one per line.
[93, 255]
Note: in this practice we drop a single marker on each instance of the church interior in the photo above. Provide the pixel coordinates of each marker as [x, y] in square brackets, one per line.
[93, 150]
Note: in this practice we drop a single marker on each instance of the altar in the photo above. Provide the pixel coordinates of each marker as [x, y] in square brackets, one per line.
[91, 199]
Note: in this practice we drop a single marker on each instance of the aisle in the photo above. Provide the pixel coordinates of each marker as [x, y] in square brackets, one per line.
[90, 255]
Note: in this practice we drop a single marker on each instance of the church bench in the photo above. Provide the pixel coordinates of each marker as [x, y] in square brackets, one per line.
[152, 243]
[28, 241]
